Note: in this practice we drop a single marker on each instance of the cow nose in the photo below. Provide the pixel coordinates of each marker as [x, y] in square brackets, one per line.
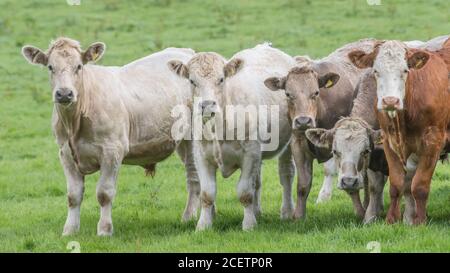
[64, 95]
[391, 103]
[204, 105]
[303, 122]
[349, 182]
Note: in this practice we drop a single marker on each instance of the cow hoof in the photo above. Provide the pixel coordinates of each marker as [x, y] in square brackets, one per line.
[249, 223]
[323, 197]
[70, 230]
[203, 226]
[369, 219]
[104, 229]
[286, 213]
[187, 217]
[408, 220]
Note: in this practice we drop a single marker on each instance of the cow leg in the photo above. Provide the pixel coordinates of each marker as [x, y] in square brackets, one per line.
[257, 203]
[366, 191]
[286, 172]
[357, 205]
[327, 186]
[396, 179]
[246, 188]
[208, 190]
[192, 181]
[376, 183]
[304, 165]
[410, 203]
[106, 191]
[432, 142]
[75, 190]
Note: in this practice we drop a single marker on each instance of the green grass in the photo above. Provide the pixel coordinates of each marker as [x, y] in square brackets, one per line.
[147, 211]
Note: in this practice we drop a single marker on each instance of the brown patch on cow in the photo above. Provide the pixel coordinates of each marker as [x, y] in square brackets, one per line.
[207, 201]
[71, 201]
[103, 199]
[150, 170]
[246, 199]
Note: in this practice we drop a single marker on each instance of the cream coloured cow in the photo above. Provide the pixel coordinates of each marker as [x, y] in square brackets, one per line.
[238, 82]
[104, 117]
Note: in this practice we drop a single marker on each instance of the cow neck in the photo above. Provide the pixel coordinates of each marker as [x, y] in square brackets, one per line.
[69, 118]
[321, 112]
[395, 132]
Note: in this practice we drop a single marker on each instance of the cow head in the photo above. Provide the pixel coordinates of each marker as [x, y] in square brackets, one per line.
[208, 74]
[65, 62]
[391, 61]
[351, 142]
[302, 87]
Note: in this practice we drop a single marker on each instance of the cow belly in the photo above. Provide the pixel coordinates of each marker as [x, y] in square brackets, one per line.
[149, 153]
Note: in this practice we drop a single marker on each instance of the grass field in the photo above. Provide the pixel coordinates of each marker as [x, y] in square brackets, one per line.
[147, 211]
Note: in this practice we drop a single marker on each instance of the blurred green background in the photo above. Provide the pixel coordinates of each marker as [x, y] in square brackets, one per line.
[147, 211]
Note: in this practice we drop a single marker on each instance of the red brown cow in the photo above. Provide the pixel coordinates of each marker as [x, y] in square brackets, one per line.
[413, 110]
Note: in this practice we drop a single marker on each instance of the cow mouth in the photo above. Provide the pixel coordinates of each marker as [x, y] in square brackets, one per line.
[391, 111]
[208, 115]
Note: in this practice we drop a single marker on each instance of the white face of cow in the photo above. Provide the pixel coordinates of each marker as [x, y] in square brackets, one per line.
[391, 62]
[391, 71]
[207, 73]
[65, 62]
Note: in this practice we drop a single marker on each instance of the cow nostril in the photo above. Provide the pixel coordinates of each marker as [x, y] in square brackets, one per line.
[303, 121]
[349, 181]
[391, 101]
[70, 94]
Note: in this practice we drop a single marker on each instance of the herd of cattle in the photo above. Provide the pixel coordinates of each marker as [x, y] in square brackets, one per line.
[370, 110]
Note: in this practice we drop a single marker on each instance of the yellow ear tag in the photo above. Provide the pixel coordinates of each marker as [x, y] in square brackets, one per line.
[94, 56]
[329, 84]
[419, 63]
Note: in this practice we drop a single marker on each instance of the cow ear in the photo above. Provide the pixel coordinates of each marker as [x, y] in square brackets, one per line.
[328, 80]
[178, 68]
[34, 55]
[418, 60]
[321, 138]
[275, 83]
[93, 53]
[376, 138]
[361, 59]
[233, 67]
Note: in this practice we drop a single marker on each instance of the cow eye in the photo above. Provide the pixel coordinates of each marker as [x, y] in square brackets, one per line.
[221, 80]
[405, 71]
[336, 153]
[50, 68]
[79, 67]
[192, 82]
[365, 152]
[315, 94]
[289, 95]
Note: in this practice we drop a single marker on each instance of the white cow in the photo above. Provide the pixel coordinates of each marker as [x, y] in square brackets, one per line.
[240, 81]
[107, 116]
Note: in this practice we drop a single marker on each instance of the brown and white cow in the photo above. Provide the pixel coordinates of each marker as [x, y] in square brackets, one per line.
[319, 93]
[412, 108]
[107, 116]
